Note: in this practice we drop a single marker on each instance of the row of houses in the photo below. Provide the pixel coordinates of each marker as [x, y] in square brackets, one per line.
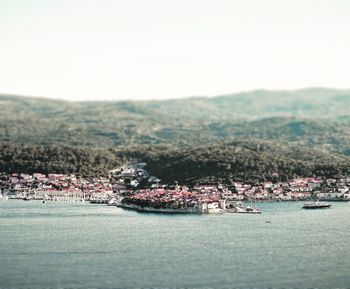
[128, 179]
[297, 189]
[52, 184]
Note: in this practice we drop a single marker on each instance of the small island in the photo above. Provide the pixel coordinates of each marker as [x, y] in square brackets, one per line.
[174, 201]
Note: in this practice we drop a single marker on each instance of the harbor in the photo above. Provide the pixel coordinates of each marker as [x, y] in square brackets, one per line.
[132, 187]
[82, 245]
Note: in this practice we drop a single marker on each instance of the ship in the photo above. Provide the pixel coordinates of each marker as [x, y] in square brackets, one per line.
[316, 205]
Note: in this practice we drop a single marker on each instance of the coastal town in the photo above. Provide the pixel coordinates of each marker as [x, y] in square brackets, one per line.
[132, 187]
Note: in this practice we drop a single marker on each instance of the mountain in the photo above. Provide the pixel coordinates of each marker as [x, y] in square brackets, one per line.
[304, 103]
[314, 116]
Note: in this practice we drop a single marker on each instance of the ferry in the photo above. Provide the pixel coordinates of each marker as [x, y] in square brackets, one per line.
[316, 205]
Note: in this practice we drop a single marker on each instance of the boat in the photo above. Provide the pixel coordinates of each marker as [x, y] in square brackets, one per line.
[112, 202]
[98, 201]
[248, 210]
[3, 197]
[316, 205]
[238, 207]
[251, 210]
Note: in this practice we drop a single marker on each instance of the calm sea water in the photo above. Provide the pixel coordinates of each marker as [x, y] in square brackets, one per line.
[70, 245]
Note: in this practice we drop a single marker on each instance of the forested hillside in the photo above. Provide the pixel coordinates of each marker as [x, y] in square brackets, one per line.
[249, 160]
[302, 132]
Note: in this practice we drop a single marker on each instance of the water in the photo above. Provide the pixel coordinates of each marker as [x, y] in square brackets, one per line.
[71, 245]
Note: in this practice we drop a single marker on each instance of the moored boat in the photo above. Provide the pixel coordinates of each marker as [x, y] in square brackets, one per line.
[3, 196]
[248, 210]
[238, 207]
[98, 201]
[112, 202]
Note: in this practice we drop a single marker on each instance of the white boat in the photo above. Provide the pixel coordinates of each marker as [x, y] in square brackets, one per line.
[248, 210]
[238, 207]
[316, 205]
[98, 201]
[3, 197]
[112, 202]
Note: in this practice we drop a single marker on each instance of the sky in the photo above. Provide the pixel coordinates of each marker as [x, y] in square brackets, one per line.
[158, 49]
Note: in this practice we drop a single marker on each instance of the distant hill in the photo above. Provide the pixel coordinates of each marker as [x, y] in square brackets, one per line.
[304, 103]
[311, 116]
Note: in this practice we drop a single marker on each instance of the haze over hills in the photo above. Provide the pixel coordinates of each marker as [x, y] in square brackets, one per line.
[315, 120]
[302, 115]
[307, 103]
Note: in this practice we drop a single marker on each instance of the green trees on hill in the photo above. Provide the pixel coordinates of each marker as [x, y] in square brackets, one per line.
[242, 160]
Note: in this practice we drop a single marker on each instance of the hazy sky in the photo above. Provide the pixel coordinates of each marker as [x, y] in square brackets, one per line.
[118, 49]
